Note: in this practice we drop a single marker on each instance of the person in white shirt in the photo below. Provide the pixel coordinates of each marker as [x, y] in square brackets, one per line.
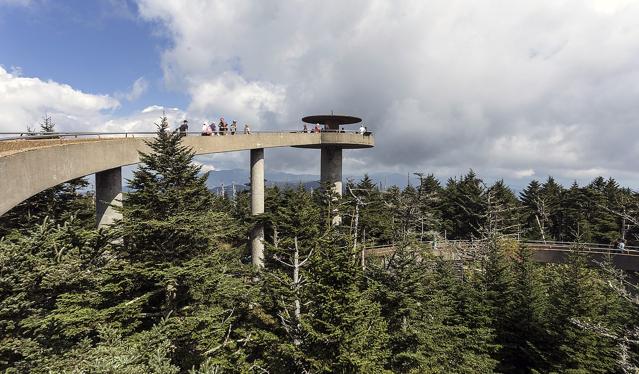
[621, 245]
[362, 129]
[206, 130]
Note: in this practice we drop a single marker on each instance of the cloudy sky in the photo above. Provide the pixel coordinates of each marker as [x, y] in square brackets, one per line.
[512, 89]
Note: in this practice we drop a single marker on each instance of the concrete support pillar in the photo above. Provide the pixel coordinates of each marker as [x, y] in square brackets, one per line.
[331, 169]
[108, 192]
[331, 172]
[257, 205]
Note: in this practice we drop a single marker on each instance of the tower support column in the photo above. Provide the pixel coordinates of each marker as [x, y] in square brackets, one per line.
[331, 172]
[331, 168]
[108, 193]
[257, 205]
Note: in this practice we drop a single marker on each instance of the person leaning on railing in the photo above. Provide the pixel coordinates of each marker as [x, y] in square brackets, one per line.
[621, 244]
[206, 130]
[184, 128]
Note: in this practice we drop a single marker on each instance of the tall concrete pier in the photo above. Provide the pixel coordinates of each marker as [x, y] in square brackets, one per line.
[108, 193]
[257, 205]
[331, 168]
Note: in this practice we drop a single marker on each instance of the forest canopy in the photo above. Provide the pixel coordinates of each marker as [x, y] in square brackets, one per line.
[170, 288]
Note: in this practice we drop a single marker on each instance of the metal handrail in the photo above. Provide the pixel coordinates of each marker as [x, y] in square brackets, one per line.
[591, 245]
[48, 135]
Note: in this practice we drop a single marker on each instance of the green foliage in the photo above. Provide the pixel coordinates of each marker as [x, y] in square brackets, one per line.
[39, 271]
[58, 204]
[168, 288]
[463, 208]
[578, 299]
[145, 352]
[427, 332]
[344, 330]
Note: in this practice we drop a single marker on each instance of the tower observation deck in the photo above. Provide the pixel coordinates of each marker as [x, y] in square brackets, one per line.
[331, 157]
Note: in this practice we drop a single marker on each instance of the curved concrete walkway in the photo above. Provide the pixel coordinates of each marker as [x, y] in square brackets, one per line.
[30, 166]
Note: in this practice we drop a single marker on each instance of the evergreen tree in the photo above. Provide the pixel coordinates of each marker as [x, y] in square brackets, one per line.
[576, 301]
[47, 124]
[58, 203]
[501, 210]
[463, 206]
[430, 199]
[575, 225]
[552, 195]
[373, 221]
[427, 333]
[167, 216]
[520, 328]
[344, 331]
[401, 289]
[599, 208]
[40, 272]
[170, 263]
[535, 211]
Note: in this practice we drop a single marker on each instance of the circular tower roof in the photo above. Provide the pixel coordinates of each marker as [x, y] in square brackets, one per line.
[330, 119]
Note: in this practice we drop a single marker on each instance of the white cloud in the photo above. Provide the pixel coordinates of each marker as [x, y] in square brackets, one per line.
[205, 166]
[524, 173]
[145, 120]
[138, 88]
[24, 100]
[445, 84]
[232, 94]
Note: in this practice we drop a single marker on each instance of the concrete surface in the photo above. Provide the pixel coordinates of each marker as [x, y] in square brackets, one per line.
[257, 205]
[28, 169]
[108, 193]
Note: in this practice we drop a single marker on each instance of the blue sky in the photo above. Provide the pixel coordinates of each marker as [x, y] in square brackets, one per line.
[514, 90]
[99, 46]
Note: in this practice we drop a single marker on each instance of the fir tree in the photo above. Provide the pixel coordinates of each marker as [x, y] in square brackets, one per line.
[58, 203]
[535, 211]
[576, 299]
[521, 332]
[167, 216]
[463, 206]
[343, 327]
[430, 200]
[553, 194]
[41, 274]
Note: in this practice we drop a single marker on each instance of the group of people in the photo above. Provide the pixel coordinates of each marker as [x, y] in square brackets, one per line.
[222, 128]
[316, 129]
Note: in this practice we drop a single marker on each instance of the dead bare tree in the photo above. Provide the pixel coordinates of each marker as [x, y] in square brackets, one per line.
[292, 324]
[359, 201]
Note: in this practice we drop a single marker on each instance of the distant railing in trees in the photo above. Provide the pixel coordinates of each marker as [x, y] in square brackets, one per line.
[536, 245]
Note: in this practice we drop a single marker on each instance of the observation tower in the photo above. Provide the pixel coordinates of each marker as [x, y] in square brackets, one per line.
[331, 158]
